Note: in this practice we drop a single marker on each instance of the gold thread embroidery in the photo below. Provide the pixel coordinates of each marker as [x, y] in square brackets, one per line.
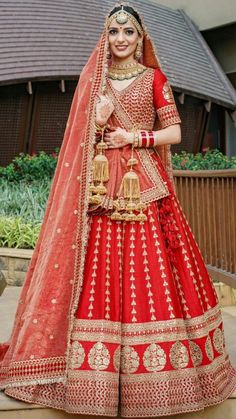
[179, 356]
[196, 353]
[154, 358]
[116, 359]
[167, 92]
[168, 115]
[99, 357]
[77, 355]
[129, 360]
[209, 349]
[218, 341]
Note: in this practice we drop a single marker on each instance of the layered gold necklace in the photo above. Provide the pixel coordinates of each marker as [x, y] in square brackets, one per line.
[125, 71]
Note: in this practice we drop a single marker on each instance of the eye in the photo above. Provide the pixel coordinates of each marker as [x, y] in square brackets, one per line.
[129, 31]
[112, 31]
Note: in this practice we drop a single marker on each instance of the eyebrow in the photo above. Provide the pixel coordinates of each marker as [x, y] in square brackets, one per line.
[114, 27]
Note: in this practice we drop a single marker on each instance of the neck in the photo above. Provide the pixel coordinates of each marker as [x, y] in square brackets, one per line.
[122, 61]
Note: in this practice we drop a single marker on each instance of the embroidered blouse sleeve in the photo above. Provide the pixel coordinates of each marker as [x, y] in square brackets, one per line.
[164, 101]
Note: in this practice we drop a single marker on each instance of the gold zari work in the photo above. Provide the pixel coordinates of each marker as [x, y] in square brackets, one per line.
[99, 357]
[179, 356]
[167, 92]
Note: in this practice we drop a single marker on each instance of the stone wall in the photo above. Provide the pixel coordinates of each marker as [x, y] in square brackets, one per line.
[14, 264]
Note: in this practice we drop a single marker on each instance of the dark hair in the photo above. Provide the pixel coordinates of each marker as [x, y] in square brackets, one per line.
[128, 9]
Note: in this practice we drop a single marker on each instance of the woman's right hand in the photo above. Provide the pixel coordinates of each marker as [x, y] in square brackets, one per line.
[104, 109]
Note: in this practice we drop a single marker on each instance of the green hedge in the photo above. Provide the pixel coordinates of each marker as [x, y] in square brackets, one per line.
[31, 167]
[211, 160]
[41, 167]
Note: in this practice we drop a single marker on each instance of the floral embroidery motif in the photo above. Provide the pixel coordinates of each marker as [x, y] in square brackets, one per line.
[99, 357]
[179, 356]
[167, 92]
[129, 360]
[154, 358]
[218, 341]
[116, 359]
[78, 355]
[209, 349]
[196, 353]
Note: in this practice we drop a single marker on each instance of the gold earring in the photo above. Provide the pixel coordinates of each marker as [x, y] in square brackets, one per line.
[139, 50]
[108, 54]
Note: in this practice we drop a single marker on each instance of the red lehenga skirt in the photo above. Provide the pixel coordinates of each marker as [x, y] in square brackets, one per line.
[148, 337]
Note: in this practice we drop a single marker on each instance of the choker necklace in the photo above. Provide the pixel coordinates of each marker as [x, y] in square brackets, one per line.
[125, 71]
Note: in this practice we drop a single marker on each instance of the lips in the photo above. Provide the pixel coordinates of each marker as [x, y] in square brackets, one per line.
[121, 47]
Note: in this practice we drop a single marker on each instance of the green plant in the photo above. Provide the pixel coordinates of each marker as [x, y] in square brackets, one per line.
[15, 233]
[31, 167]
[26, 200]
[211, 160]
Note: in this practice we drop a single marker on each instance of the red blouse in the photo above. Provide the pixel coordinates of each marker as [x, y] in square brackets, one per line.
[163, 100]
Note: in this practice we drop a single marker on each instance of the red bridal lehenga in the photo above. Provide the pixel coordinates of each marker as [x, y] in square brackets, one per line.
[117, 317]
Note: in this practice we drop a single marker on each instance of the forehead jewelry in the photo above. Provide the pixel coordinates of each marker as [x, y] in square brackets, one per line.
[122, 17]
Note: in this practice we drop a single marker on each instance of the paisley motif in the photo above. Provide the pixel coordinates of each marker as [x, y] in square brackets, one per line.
[167, 92]
[179, 356]
[116, 359]
[209, 349]
[154, 358]
[129, 360]
[99, 357]
[218, 341]
[196, 353]
[78, 354]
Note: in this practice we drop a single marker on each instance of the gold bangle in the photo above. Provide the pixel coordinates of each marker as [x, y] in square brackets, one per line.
[136, 139]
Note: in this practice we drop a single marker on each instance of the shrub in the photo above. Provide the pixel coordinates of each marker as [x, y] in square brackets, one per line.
[15, 233]
[31, 167]
[211, 160]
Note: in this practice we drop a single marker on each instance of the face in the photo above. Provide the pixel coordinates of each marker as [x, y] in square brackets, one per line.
[123, 40]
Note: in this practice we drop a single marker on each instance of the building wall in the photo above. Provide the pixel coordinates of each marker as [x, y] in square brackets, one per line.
[205, 13]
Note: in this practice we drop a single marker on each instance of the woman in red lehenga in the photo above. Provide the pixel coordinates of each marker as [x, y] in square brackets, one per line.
[118, 313]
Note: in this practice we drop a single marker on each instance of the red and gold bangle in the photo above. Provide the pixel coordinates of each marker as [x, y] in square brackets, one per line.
[143, 142]
[151, 138]
[146, 139]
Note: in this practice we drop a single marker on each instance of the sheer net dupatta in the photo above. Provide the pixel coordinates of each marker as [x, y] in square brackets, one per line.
[38, 349]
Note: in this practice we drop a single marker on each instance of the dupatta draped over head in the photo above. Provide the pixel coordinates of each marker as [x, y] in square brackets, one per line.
[38, 351]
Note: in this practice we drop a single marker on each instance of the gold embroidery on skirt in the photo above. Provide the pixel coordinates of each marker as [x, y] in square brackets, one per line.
[218, 340]
[179, 356]
[116, 359]
[154, 358]
[209, 349]
[196, 353]
[99, 357]
[129, 360]
[78, 355]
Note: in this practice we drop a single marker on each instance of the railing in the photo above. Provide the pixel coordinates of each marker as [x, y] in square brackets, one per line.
[208, 199]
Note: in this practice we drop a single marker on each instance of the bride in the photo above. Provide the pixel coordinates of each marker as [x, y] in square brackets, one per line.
[117, 313]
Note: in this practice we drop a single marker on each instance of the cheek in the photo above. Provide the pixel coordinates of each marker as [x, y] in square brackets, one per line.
[133, 42]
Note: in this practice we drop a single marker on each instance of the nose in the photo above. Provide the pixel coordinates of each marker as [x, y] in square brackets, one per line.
[120, 37]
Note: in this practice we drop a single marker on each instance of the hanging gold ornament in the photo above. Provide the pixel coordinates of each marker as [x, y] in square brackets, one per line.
[130, 191]
[100, 171]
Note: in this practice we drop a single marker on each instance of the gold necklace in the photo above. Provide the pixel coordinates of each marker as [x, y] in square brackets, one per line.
[125, 71]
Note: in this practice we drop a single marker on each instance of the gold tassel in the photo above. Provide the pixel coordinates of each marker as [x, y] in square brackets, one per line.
[100, 168]
[130, 190]
[100, 172]
[130, 184]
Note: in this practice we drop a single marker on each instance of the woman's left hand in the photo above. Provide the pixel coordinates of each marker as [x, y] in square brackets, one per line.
[118, 138]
